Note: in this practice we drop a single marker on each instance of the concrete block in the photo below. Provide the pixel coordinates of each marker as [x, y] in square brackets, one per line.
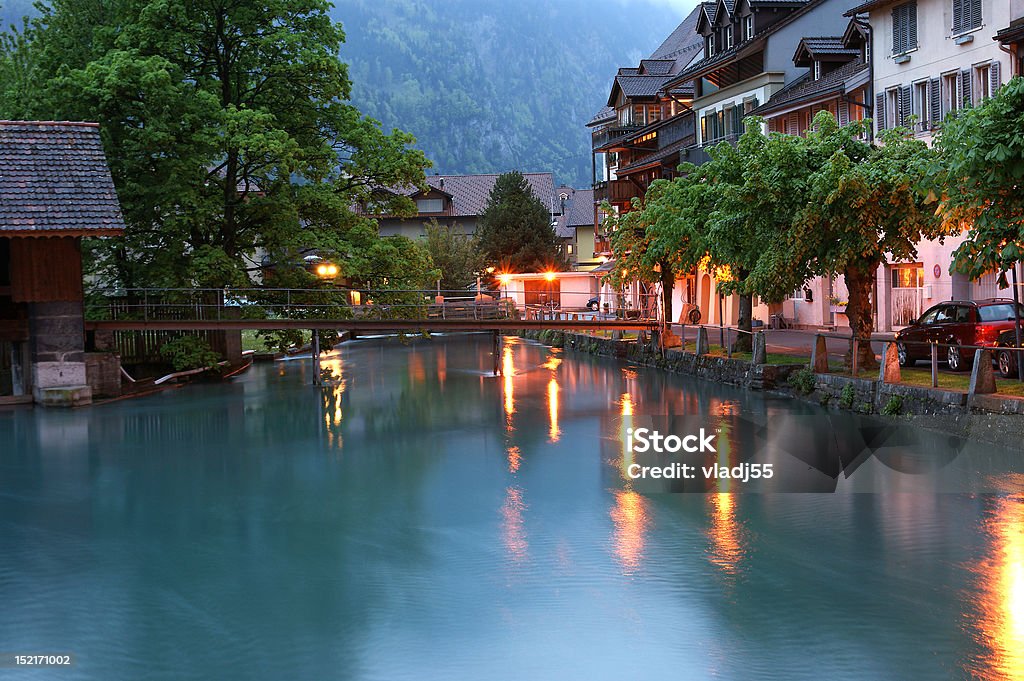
[760, 349]
[983, 379]
[702, 341]
[67, 396]
[58, 374]
[819, 355]
[889, 370]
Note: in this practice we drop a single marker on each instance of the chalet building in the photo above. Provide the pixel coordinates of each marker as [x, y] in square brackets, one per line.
[55, 189]
[930, 58]
[574, 226]
[458, 200]
[638, 136]
[1011, 39]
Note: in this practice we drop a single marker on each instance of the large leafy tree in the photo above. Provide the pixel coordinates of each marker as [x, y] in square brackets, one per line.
[515, 228]
[457, 256]
[863, 204]
[228, 132]
[979, 174]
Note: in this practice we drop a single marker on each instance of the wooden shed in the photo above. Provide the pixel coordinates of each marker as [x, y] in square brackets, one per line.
[55, 189]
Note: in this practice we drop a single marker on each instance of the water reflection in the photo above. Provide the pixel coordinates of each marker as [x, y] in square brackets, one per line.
[626, 409]
[508, 372]
[999, 617]
[724, 531]
[553, 431]
[515, 458]
[631, 521]
[512, 527]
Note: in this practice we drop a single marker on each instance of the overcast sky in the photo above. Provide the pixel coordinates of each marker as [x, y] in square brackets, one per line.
[683, 6]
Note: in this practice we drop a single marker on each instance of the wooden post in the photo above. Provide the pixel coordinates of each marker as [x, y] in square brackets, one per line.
[314, 351]
[496, 350]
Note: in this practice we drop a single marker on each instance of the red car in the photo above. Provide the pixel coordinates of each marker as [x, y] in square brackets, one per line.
[953, 324]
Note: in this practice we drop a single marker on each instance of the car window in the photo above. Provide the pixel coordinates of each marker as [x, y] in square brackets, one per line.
[997, 313]
[963, 314]
[944, 314]
[929, 316]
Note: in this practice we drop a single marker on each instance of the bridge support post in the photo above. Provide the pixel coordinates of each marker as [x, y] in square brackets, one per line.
[496, 351]
[314, 352]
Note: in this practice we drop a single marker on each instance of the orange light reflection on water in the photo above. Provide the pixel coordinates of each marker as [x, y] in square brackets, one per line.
[512, 526]
[626, 408]
[725, 533]
[508, 370]
[999, 619]
[515, 459]
[631, 520]
[553, 431]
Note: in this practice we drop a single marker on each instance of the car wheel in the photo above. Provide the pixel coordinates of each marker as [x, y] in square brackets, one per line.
[955, 357]
[901, 355]
[694, 316]
[1007, 365]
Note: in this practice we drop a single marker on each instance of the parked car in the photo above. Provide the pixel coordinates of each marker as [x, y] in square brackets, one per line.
[1007, 359]
[953, 324]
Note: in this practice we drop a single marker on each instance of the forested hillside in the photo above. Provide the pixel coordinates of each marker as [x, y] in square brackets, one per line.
[489, 85]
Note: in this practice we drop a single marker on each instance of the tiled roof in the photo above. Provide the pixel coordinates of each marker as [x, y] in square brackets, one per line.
[656, 67]
[54, 179]
[826, 45]
[579, 212]
[805, 88]
[639, 86]
[470, 192]
[628, 71]
[711, 9]
[683, 43]
[606, 113]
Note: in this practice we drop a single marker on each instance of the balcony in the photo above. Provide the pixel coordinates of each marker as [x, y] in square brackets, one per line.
[610, 134]
[698, 154]
[616, 191]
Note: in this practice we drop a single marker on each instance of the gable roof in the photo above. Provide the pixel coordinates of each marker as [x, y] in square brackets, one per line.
[807, 90]
[823, 48]
[683, 43]
[469, 193]
[54, 181]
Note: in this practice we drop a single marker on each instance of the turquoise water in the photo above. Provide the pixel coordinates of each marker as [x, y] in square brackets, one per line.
[420, 519]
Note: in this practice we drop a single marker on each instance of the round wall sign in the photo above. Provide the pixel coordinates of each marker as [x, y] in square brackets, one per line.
[937, 271]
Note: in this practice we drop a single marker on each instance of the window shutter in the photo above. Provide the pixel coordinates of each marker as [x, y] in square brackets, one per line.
[897, 30]
[958, 16]
[994, 77]
[905, 106]
[935, 90]
[974, 20]
[965, 88]
[844, 113]
[880, 111]
[911, 25]
[793, 125]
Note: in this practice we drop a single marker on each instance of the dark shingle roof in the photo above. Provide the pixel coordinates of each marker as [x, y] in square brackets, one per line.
[805, 88]
[579, 212]
[683, 43]
[640, 86]
[606, 113]
[656, 67]
[658, 156]
[54, 179]
[470, 192]
[826, 45]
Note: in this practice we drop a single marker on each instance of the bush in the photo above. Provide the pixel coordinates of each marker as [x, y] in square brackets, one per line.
[803, 381]
[189, 352]
[847, 396]
[894, 407]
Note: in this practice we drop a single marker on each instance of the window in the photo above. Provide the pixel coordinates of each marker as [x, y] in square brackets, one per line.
[966, 16]
[950, 93]
[904, 28]
[709, 45]
[728, 37]
[817, 70]
[982, 82]
[929, 316]
[921, 105]
[892, 108]
[748, 27]
[430, 205]
[908, 276]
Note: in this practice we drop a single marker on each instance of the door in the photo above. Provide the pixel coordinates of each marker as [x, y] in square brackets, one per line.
[907, 293]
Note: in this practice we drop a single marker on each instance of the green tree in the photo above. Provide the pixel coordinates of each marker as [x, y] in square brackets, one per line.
[515, 229]
[979, 175]
[863, 204]
[457, 256]
[228, 132]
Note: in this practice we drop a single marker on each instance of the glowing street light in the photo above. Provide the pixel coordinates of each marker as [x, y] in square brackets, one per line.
[327, 270]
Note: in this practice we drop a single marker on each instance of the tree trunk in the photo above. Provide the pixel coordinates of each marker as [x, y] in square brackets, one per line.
[668, 280]
[744, 342]
[859, 283]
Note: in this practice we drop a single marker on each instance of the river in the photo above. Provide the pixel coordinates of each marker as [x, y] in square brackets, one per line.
[418, 518]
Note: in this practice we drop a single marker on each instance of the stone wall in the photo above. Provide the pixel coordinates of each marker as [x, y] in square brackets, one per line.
[57, 350]
[103, 372]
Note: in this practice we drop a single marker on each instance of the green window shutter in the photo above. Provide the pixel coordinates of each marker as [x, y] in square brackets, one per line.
[965, 88]
[935, 94]
[880, 111]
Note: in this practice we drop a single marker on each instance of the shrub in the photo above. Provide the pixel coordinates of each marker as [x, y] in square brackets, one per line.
[847, 396]
[189, 352]
[894, 407]
[803, 381]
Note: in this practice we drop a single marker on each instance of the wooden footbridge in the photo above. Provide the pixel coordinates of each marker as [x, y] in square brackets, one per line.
[149, 318]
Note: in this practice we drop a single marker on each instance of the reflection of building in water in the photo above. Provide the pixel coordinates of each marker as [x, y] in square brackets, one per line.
[630, 518]
[999, 609]
[512, 526]
[725, 533]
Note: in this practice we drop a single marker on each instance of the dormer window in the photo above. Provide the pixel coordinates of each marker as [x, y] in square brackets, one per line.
[710, 44]
[817, 70]
[748, 27]
[728, 37]
[429, 205]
